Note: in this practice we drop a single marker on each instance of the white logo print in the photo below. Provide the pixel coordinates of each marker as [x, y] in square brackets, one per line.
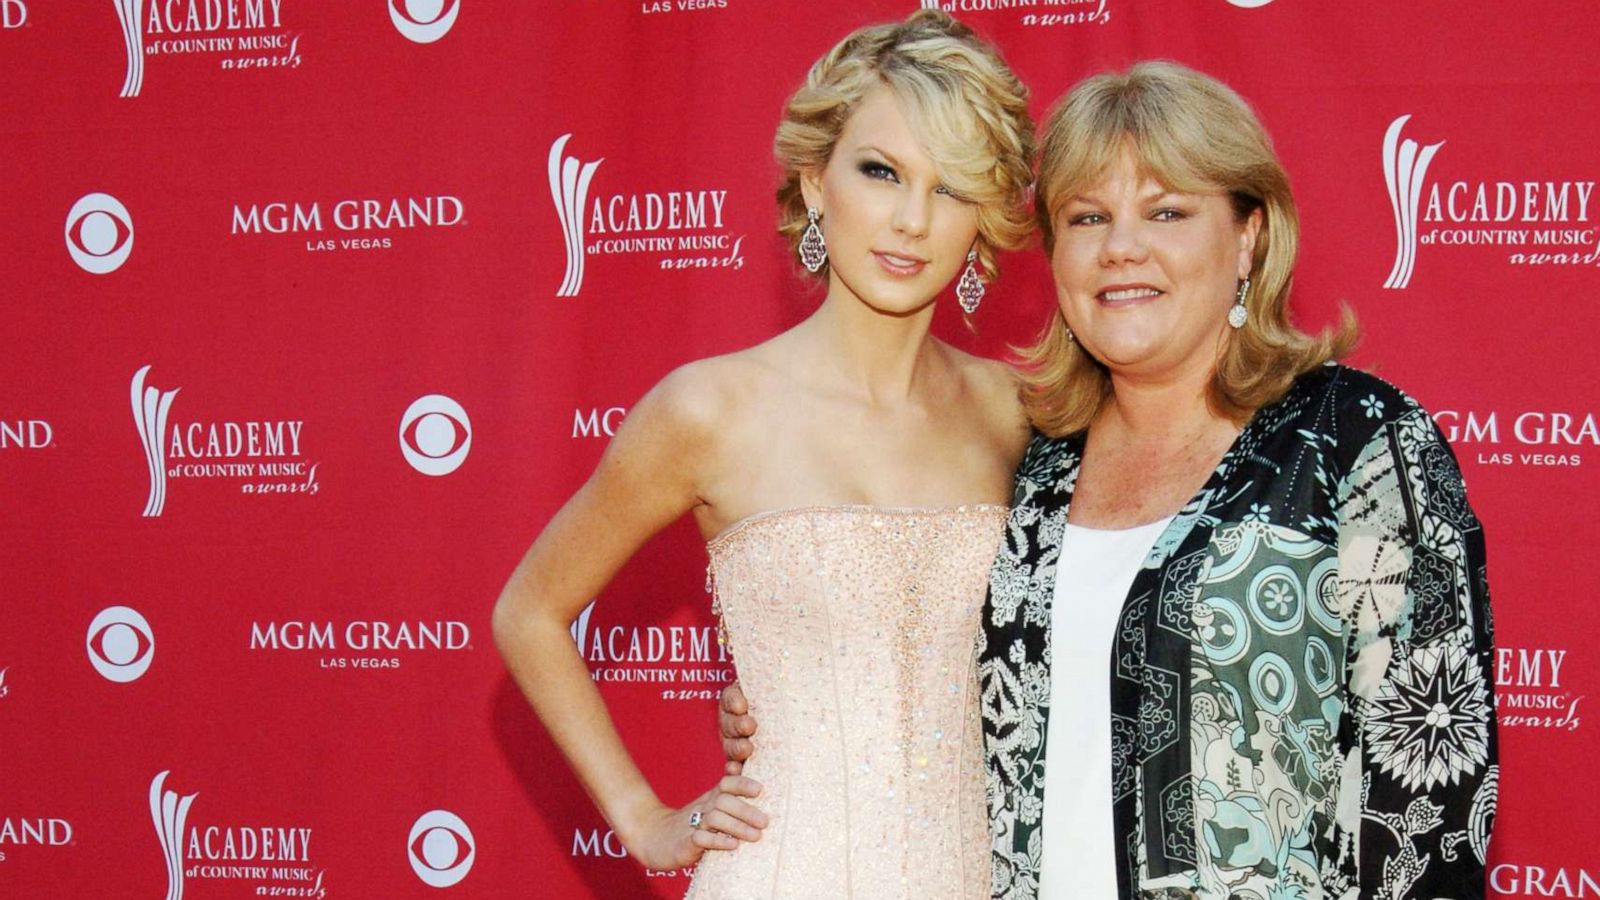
[1249, 4]
[169, 812]
[423, 21]
[247, 34]
[272, 860]
[150, 408]
[120, 644]
[435, 435]
[441, 848]
[569, 187]
[13, 14]
[262, 455]
[1071, 12]
[1403, 171]
[99, 233]
[675, 229]
[687, 662]
[130, 12]
[580, 626]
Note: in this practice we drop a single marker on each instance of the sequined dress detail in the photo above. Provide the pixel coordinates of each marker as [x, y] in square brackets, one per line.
[853, 631]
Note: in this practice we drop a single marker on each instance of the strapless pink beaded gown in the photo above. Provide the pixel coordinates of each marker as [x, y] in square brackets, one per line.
[853, 630]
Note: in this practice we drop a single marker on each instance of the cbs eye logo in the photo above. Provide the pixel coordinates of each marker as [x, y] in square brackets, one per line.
[120, 644]
[441, 848]
[423, 21]
[99, 233]
[435, 435]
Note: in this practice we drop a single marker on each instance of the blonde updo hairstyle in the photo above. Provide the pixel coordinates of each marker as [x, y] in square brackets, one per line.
[967, 109]
[1188, 132]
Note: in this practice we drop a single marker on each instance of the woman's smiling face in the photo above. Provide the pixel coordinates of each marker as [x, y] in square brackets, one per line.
[1145, 275]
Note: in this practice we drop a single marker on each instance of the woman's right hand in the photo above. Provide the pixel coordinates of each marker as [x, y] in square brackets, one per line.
[664, 839]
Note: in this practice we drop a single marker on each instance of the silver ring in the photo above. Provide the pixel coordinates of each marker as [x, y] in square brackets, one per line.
[694, 819]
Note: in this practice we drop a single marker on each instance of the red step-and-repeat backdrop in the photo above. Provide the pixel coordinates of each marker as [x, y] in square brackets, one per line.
[315, 312]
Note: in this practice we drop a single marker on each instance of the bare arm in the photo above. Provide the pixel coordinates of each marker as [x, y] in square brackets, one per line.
[647, 478]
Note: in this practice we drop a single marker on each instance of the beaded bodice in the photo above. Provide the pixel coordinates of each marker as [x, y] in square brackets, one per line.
[853, 630]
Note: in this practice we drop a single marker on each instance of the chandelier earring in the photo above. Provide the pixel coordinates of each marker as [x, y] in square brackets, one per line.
[1238, 314]
[970, 289]
[813, 249]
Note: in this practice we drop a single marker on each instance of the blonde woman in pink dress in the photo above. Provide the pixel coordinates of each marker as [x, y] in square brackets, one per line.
[851, 475]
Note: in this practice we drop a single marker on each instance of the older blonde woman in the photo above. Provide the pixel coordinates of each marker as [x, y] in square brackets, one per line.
[1238, 640]
[851, 476]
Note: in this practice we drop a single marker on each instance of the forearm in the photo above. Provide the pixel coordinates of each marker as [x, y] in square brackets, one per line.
[539, 652]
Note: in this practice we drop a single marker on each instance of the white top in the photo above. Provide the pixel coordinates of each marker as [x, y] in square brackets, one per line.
[1093, 576]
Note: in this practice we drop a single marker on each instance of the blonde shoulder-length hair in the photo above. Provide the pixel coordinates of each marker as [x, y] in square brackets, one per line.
[1188, 132]
[966, 107]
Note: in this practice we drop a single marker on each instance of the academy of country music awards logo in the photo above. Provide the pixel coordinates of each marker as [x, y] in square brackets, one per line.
[1532, 222]
[1527, 438]
[262, 456]
[273, 860]
[276, 860]
[687, 662]
[1087, 12]
[1533, 689]
[675, 229]
[242, 34]
[368, 223]
[1041, 13]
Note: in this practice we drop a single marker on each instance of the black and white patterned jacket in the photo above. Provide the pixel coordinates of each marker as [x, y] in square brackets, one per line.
[1302, 701]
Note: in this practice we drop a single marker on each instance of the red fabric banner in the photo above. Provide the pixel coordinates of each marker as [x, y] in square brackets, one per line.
[316, 312]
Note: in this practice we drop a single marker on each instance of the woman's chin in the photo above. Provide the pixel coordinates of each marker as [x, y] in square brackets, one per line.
[1127, 356]
[891, 304]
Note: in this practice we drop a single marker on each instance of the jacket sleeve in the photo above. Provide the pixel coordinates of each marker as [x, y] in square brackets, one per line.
[1417, 798]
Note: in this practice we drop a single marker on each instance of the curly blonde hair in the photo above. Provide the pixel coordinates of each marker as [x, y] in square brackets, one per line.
[1188, 132]
[967, 109]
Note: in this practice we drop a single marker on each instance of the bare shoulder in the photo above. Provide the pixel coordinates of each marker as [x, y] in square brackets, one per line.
[996, 385]
[993, 376]
[670, 439]
[696, 397]
[707, 396]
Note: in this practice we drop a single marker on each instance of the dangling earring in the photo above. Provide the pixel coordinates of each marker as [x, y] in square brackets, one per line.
[970, 289]
[813, 250]
[1238, 314]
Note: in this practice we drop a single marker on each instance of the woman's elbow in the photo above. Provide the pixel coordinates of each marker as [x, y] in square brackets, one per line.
[510, 619]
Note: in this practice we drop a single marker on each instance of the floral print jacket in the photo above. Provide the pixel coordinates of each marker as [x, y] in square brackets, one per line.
[1302, 703]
